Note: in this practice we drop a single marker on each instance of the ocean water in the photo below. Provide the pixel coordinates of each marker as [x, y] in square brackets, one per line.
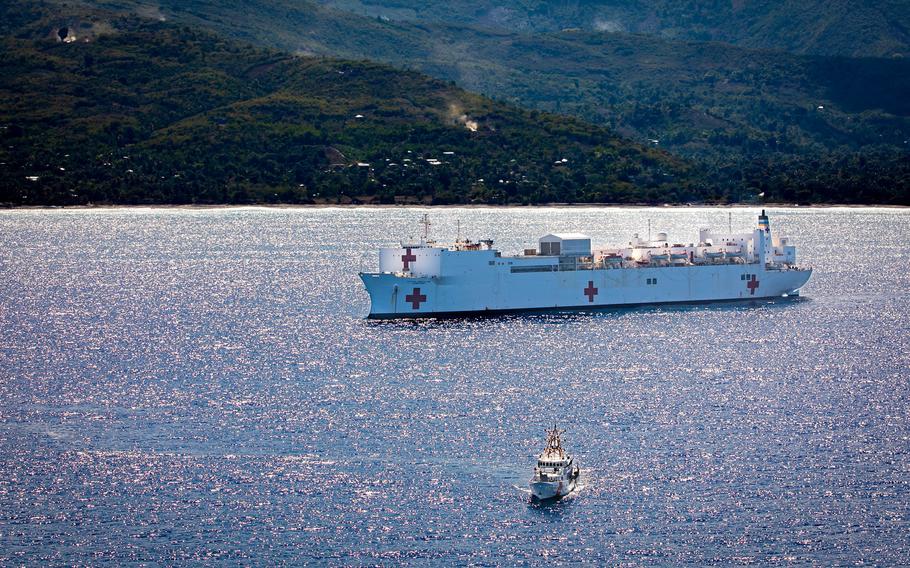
[185, 385]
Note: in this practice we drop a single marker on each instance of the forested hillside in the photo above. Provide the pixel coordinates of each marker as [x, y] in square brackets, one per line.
[111, 108]
[200, 121]
[798, 128]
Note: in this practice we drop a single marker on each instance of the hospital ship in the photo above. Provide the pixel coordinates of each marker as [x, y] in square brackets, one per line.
[427, 279]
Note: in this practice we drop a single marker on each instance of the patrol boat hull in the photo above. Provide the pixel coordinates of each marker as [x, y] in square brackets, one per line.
[544, 490]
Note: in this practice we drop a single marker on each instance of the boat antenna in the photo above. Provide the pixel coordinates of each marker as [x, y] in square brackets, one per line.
[730, 222]
[649, 230]
[425, 221]
[457, 230]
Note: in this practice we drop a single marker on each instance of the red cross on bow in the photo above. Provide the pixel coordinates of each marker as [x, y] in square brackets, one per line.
[407, 258]
[416, 298]
[752, 285]
[590, 291]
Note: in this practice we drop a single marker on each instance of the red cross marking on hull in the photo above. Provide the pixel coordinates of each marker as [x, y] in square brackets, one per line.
[752, 285]
[407, 258]
[590, 291]
[416, 298]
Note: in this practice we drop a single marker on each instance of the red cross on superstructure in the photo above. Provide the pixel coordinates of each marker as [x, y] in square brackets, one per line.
[752, 285]
[590, 291]
[407, 258]
[416, 298]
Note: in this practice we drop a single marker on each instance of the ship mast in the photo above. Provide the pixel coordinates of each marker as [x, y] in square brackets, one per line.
[554, 443]
[425, 221]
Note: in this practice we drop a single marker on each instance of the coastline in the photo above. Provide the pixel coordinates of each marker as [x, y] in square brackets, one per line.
[202, 207]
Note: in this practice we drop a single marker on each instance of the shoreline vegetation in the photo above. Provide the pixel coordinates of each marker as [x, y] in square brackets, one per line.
[415, 206]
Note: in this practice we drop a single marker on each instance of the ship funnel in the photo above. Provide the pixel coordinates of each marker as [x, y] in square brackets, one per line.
[763, 223]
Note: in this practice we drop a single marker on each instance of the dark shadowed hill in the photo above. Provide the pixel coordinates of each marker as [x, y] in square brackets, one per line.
[868, 28]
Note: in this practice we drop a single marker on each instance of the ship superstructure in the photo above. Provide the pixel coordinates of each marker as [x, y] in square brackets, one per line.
[564, 272]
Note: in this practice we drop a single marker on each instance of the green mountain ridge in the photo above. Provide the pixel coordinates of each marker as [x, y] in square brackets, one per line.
[136, 110]
[803, 128]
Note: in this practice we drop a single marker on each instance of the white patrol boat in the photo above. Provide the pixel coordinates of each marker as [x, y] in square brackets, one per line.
[556, 474]
[467, 278]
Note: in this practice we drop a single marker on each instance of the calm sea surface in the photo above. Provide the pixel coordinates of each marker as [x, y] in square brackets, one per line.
[186, 385]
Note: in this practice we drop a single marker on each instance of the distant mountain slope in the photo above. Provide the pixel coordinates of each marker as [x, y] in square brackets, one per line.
[876, 28]
[803, 128]
[99, 107]
[696, 98]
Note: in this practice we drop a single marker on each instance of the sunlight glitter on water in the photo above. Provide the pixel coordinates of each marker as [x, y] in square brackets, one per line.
[185, 385]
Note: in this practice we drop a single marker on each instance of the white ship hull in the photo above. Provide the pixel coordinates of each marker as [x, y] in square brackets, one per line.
[497, 290]
[565, 273]
[543, 490]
